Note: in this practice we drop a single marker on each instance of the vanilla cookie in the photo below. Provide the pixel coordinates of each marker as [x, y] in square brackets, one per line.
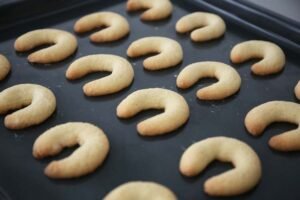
[297, 90]
[176, 110]
[204, 26]
[156, 9]
[229, 81]
[39, 103]
[4, 67]
[120, 78]
[115, 26]
[141, 190]
[263, 115]
[94, 147]
[243, 177]
[169, 52]
[273, 58]
[63, 44]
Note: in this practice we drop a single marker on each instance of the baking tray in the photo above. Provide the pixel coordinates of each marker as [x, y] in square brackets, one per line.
[131, 156]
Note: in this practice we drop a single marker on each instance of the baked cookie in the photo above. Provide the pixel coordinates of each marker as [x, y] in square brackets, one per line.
[169, 52]
[263, 115]
[141, 190]
[176, 110]
[204, 26]
[39, 103]
[243, 177]
[120, 78]
[229, 81]
[115, 26]
[4, 67]
[156, 9]
[64, 45]
[94, 147]
[273, 58]
[297, 90]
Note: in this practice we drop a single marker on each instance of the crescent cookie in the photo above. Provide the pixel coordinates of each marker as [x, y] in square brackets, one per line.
[94, 147]
[242, 178]
[176, 110]
[297, 90]
[273, 58]
[156, 9]
[169, 52]
[141, 190]
[204, 26]
[64, 45]
[120, 78]
[4, 67]
[116, 26]
[229, 81]
[39, 103]
[265, 114]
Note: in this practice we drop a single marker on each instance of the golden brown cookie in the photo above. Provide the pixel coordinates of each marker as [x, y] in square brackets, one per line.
[243, 177]
[176, 110]
[115, 26]
[204, 26]
[155, 9]
[141, 190]
[36, 104]
[229, 81]
[265, 114]
[63, 44]
[273, 58]
[169, 52]
[94, 147]
[297, 90]
[4, 67]
[120, 78]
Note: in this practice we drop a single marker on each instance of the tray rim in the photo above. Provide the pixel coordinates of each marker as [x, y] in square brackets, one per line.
[278, 38]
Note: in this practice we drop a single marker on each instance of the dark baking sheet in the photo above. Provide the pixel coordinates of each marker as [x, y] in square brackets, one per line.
[133, 157]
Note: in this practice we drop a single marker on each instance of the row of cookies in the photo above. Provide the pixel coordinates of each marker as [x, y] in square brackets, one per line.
[170, 54]
[41, 103]
[272, 62]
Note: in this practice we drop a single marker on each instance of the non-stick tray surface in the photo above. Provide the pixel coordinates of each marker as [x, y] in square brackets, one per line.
[133, 157]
